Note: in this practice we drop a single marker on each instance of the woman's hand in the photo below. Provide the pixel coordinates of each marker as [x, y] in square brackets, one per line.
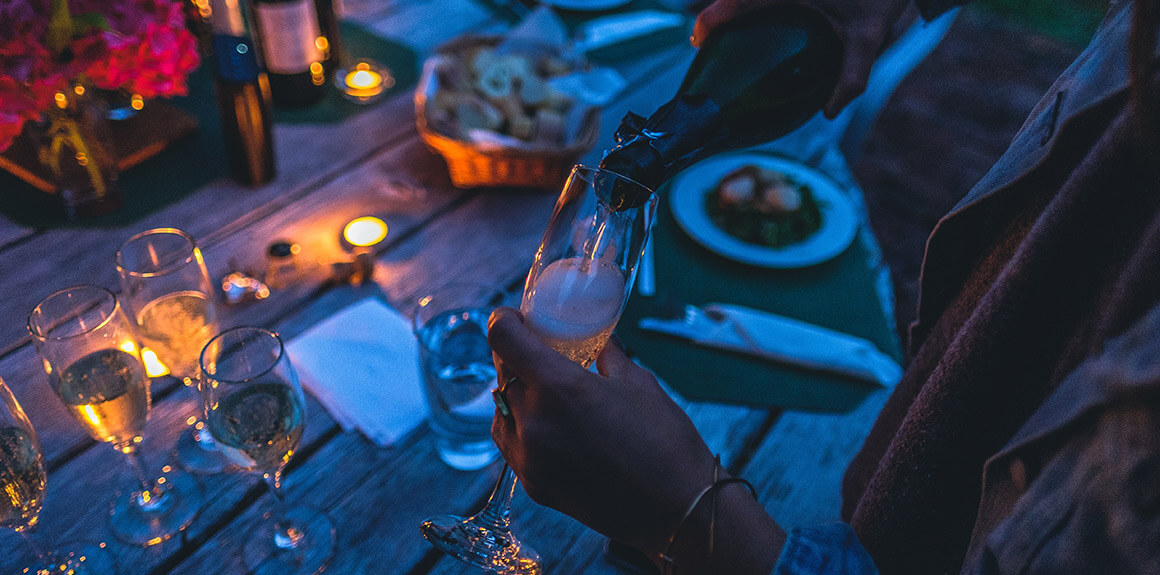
[611, 450]
[863, 25]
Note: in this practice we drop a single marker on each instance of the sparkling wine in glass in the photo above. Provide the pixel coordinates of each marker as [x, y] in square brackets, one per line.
[22, 484]
[256, 411]
[573, 297]
[167, 291]
[94, 365]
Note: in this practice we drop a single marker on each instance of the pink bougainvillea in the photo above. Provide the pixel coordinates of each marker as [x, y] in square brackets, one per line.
[142, 46]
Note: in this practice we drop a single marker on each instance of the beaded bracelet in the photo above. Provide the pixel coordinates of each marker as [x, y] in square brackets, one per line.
[668, 563]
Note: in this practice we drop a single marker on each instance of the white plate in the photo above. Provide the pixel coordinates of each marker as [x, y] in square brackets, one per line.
[585, 5]
[839, 218]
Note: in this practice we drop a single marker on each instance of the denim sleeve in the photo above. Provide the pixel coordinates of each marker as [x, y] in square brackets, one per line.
[831, 549]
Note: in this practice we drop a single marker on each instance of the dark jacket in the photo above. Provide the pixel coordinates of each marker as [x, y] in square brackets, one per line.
[993, 455]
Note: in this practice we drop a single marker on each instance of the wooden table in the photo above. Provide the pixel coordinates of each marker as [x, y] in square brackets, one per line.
[328, 174]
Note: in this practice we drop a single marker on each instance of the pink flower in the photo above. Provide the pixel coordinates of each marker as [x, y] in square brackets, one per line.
[145, 48]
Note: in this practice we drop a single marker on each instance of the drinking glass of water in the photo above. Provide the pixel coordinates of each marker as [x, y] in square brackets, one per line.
[458, 373]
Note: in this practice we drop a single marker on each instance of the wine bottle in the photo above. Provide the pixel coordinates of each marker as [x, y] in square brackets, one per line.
[243, 95]
[294, 50]
[754, 79]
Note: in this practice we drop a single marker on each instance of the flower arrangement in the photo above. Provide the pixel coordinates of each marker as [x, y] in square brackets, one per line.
[47, 46]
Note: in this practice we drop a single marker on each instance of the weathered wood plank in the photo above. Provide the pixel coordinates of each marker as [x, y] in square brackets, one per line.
[415, 483]
[308, 155]
[798, 477]
[314, 221]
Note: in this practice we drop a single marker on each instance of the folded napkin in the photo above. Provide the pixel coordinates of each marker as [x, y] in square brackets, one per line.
[362, 364]
[782, 339]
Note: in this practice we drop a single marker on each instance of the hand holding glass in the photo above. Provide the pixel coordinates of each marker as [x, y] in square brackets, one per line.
[573, 297]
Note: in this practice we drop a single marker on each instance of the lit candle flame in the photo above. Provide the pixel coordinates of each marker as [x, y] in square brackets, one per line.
[365, 231]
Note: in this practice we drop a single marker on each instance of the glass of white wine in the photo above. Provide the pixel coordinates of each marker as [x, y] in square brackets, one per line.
[575, 292]
[94, 365]
[256, 411]
[166, 289]
[22, 483]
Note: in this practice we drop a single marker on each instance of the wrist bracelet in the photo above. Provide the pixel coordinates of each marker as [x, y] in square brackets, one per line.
[668, 562]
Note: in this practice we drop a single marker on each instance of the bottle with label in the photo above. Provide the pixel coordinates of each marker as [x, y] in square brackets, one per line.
[754, 79]
[295, 50]
[243, 94]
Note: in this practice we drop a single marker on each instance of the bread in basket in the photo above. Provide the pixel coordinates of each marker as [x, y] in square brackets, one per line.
[494, 118]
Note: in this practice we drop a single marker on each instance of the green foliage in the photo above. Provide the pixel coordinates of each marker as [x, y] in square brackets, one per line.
[1072, 21]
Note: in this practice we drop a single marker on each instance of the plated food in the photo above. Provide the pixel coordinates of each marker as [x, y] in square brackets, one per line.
[764, 207]
[763, 210]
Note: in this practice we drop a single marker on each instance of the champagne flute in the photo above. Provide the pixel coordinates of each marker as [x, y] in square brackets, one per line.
[256, 412]
[574, 294]
[94, 366]
[22, 483]
[167, 291]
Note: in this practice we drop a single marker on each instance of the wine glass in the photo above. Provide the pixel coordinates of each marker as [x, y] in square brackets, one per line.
[573, 297]
[256, 412]
[22, 481]
[94, 366]
[167, 291]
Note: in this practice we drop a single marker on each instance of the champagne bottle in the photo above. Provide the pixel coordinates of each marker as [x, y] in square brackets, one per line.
[294, 50]
[754, 79]
[243, 95]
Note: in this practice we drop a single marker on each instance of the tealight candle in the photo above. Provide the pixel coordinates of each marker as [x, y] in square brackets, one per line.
[359, 237]
[364, 232]
[365, 81]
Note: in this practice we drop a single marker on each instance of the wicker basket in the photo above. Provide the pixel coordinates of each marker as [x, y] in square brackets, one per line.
[471, 166]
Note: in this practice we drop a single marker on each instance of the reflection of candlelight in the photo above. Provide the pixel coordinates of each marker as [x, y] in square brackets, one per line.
[153, 366]
[365, 81]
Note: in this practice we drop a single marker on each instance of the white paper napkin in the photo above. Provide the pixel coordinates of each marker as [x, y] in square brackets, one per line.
[792, 341]
[362, 364]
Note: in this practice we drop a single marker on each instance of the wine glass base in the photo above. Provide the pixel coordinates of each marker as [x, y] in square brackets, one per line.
[307, 555]
[78, 559]
[137, 525]
[197, 457]
[469, 541]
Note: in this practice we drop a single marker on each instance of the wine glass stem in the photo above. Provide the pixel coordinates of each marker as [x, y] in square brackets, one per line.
[497, 511]
[149, 498]
[286, 534]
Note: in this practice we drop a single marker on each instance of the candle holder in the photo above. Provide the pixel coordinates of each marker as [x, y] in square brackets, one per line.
[364, 82]
[359, 237]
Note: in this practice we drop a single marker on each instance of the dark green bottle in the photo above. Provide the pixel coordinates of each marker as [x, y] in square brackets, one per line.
[754, 79]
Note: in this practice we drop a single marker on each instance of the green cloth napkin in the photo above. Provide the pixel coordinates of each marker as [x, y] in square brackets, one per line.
[191, 163]
[839, 294]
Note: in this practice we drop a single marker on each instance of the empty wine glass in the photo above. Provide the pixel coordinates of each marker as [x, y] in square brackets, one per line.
[22, 483]
[573, 297]
[256, 411]
[94, 365]
[166, 289]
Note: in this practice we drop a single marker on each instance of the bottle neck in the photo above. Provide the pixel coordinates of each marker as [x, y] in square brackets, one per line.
[652, 151]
